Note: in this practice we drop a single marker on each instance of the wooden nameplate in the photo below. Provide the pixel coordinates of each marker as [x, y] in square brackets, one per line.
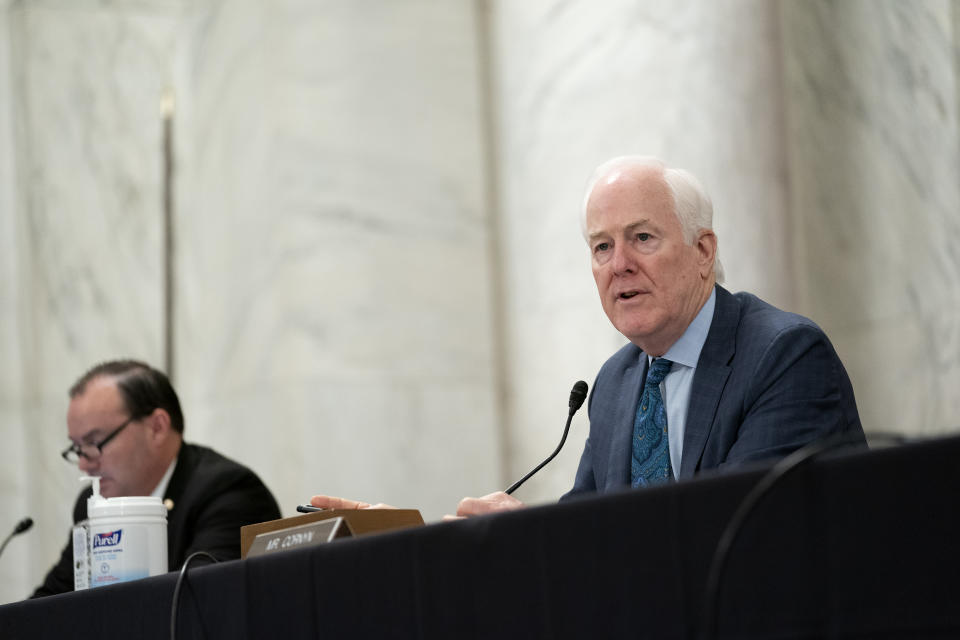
[361, 522]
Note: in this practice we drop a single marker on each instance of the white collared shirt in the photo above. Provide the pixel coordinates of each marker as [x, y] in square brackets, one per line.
[161, 488]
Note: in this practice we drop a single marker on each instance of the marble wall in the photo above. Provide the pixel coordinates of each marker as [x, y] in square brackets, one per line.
[380, 286]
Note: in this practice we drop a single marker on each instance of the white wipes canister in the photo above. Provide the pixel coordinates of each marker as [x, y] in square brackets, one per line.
[127, 538]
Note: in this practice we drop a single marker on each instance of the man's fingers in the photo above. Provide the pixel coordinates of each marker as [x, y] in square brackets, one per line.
[332, 502]
[467, 507]
[491, 503]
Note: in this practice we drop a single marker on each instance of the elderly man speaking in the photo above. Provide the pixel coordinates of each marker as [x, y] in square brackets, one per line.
[709, 379]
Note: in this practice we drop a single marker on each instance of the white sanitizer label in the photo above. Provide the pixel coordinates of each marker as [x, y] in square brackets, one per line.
[119, 555]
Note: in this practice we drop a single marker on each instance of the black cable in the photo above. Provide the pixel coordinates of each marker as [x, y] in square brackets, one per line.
[176, 590]
[708, 618]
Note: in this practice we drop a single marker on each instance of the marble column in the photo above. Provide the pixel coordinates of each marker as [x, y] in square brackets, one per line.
[334, 307]
[874, 112]
[81, 221]
[12, 481]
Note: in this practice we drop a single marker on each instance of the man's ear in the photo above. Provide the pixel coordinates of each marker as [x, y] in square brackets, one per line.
[706, 252]
[159, 426]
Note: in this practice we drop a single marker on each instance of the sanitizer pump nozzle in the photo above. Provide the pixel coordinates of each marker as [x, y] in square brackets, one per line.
[95, 498]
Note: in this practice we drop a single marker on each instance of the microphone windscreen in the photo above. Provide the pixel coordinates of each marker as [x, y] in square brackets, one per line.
[23, 525]
[577, 395]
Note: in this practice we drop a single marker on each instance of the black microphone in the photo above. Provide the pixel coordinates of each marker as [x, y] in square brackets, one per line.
[577, 395]
[22, 526]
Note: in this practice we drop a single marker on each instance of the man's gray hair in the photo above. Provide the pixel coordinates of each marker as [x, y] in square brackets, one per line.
[690, 200]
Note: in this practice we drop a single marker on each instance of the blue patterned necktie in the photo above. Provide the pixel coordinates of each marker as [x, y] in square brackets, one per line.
[651, 447]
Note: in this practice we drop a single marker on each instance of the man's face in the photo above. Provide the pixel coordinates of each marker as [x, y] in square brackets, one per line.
[651, 283]
[92, 416]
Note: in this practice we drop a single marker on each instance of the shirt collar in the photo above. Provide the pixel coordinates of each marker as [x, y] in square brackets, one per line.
[161, 488]
[686, 350]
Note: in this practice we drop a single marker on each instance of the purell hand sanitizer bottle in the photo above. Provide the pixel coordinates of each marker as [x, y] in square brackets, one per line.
[126, 539]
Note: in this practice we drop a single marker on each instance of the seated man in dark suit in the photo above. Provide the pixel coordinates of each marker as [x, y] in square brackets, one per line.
[126, 426]
[710, 379]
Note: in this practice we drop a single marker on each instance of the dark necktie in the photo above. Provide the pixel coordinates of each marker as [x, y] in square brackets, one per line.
[651, 447]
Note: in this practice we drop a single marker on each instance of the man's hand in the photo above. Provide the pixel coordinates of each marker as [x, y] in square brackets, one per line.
[491, 503]
[330, 502]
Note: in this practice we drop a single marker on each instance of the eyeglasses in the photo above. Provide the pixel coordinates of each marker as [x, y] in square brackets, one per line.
[91, 451]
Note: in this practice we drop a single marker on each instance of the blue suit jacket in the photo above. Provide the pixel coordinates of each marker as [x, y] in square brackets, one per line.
[767, 383]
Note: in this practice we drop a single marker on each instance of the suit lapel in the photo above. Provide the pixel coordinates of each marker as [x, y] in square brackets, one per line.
[178, 511]
[709, 379]
[621, 447]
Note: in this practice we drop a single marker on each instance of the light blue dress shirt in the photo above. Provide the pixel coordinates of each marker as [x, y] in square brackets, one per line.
[675, 388]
